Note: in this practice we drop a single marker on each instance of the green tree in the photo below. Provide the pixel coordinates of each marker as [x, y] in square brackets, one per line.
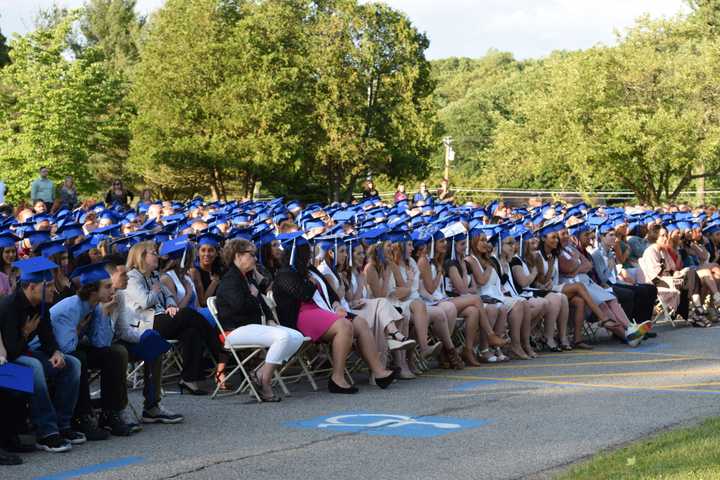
[4, 51]
[54, 109]
[373, 95]
[178, 140]
[113, 27]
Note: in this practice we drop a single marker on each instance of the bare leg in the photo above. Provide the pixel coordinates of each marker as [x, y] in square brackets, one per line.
[421, 320]
[340, 336]
[578, 289]
[527, 329]
[563, 317]
[579, 318]
[368, 351]
[515, 318]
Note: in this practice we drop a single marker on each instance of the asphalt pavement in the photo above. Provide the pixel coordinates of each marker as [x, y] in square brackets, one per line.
[518, 420]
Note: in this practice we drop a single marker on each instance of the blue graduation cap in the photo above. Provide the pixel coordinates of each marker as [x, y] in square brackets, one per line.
[92, 273]
[578, 229]
[35, 269]
[8, 239]
[82, 247]
[552, 227]
[48, 249]
[291, 241]
[174, 248]
[711, 228]
[210, 239]
[37, 237]
[16, 377]
[150, 346]
[70, 230]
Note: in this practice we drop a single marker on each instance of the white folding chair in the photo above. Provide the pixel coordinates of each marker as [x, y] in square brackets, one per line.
[242, 354]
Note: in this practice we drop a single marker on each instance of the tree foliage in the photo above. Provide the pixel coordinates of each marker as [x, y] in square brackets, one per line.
[55, 109]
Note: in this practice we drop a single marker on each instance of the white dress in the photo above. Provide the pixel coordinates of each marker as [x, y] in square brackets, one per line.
[598, 294]
[411, 277]
[495, 289]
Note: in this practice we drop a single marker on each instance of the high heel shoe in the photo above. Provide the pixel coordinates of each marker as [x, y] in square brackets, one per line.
[385, 382]
[192, 389]
[335, 388]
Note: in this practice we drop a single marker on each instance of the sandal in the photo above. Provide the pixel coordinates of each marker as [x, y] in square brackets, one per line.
[486, 356]
[501, 356]
[470, 359]
[496, 341]
[223, 385]
[550, 348]
[582, 346]
[454, 360]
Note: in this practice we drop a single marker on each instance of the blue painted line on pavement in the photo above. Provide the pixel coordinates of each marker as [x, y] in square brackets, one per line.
[466, 386]
[119, 463]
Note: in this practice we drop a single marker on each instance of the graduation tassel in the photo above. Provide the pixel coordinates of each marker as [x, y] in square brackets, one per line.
[292, 255]
[452, 252]
[432, 247]
[350, 254]
[335, 250]
[467, 244]
[184, 258]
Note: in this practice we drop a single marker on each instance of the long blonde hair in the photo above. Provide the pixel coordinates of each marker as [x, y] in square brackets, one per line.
[136, 255]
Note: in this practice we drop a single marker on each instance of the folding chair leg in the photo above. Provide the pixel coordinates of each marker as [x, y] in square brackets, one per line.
[302, 360]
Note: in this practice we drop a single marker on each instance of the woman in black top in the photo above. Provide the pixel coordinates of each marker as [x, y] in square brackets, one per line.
[119, 194]
[307, 302]
[242, 311]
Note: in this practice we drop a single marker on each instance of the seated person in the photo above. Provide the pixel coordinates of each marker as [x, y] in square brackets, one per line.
[241, 309]
[117, 328]
[307, 302]
[70, 320]
[23, 315]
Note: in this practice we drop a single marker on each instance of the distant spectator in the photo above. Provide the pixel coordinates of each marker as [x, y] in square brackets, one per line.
[369, 191]
[444, 192]
[68, 194]
[3, 192]
[423, 197]
[400, 194]
[119, 194]
[43, 189]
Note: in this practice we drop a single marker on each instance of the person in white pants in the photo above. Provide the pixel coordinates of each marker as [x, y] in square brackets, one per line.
[243, 310]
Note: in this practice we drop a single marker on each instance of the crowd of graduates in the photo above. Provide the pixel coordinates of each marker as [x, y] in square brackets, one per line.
[91, 289]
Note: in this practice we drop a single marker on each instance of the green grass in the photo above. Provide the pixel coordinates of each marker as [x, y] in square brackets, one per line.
[683, 454]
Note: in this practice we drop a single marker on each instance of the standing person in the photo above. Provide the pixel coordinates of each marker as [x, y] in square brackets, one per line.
[369, 191]
[3, 193]
[422, 197]
[23, 315]
[400, 194]
[43, 189]
[68, 194]
[444, 192]
[119, 194]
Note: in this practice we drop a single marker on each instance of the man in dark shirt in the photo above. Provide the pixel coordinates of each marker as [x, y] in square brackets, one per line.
[23, 315]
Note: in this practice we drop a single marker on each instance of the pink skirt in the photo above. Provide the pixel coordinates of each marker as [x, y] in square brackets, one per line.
[313, 321]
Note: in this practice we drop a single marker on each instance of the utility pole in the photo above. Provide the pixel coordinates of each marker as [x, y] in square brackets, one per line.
[449, 156]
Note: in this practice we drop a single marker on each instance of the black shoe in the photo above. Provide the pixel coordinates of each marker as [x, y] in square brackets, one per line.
[335, 388]
[15, 445]
[385, 382]
[76, 438]
[650, 335]
[86, 425]
[9, 459]
[112, 422]
[53, 443]
[192, 389]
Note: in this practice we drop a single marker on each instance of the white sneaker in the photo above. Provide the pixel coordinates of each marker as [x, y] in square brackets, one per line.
[405, 344]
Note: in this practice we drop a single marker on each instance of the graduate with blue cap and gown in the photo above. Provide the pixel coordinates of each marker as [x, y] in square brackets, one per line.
[71, 319]
[24, 315]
